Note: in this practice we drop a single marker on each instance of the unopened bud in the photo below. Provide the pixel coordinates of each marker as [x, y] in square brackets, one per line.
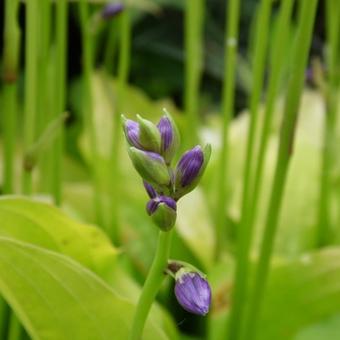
[149, 136]
[150, 166]
[143, 134]
[162, 209]
[190, 169]
[192, 291]
[169, 137]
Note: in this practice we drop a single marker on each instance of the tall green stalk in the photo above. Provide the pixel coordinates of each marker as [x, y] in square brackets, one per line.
[8, 321]
[59, 96]
[111, 46]
[243, 237]
[31, 85]
[277, 66]
[295, 86]
[15, 330]
[45, 114]
[4, 317]
[231, 38]
[10, 75]
[123, 74]
[194, 14]
[87, 59]
[332, 11]
[151, 285]
[273, 86]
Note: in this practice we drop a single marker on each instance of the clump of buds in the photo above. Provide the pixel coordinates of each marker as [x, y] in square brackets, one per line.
[152, 149]
[192, 290]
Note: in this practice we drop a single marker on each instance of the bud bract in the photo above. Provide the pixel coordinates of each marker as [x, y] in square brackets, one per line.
[192, 291]
[190, 169]
[169, 137]
[162, 209]
[150, 166]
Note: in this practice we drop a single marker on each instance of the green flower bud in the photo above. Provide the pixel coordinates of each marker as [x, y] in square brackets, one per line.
[149, 136]
[151, 166]
[162, 210]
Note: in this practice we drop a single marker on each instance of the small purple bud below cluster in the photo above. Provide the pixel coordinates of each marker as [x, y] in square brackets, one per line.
[153, 204]
[193, 293]
[190, 165]
[165, 129]
[111, 10]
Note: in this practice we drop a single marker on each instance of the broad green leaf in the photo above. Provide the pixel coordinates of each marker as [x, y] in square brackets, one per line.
[327, 329]
[42, 224]
[300, 293]
[56, 298]
[48, 227]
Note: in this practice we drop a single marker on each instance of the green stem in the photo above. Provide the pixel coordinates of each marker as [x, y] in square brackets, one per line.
[10, 73]
[59, 96]
[43, 141]
[295, 86]
[324, 236]
[123, 74]
[110, 47]
[278, 63]
[152, 284]
[193, 63]
[259, 59]
[31, 84]
[15, 330]
[45, 114]
[231, 38]
[87, 55]
[242, 276]
[4, 317]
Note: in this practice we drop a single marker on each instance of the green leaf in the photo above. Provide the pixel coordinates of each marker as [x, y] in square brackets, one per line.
[300, 293]
[44, 225]
[56, 298]
[327, 329]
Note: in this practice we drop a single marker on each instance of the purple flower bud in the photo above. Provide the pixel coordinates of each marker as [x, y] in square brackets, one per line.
[153, 204]
[169, 137]
[150, 189]
[165, 128]
[190, 169]
[193, 292]
[190, 165]
[111, 10]
[131, 130]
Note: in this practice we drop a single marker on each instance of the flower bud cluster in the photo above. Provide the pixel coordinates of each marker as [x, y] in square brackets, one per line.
[152, 149]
